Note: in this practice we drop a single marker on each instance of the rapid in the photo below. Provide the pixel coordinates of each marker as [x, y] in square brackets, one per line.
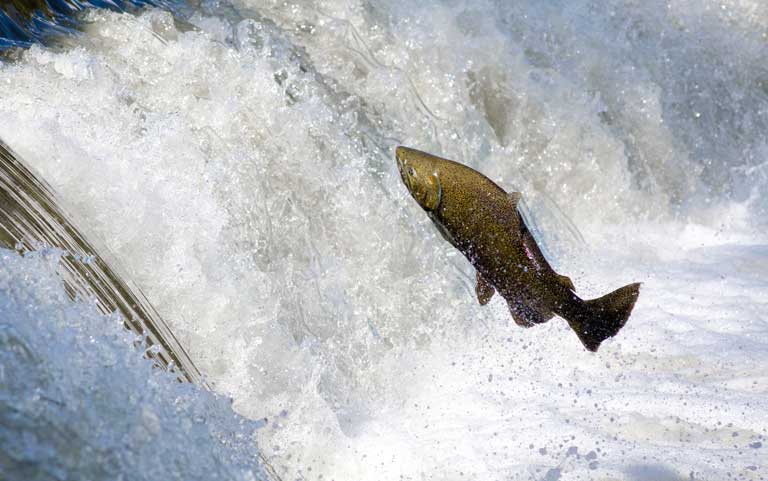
[237, 158]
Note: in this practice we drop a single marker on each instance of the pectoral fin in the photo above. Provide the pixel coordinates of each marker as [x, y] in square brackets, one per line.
[442, 230]
[484, 290]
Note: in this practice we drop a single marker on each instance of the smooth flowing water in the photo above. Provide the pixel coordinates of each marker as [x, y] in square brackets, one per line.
[238, 161]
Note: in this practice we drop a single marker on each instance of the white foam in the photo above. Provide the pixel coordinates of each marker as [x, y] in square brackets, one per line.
[78, 400]
[248, 185]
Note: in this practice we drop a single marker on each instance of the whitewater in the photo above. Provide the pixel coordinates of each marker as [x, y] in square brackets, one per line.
[237, 158]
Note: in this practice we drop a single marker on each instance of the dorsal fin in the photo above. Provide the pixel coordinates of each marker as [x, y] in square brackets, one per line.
[533, 251]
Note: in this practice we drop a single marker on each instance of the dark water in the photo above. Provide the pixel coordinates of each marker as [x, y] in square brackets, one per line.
[24, 22]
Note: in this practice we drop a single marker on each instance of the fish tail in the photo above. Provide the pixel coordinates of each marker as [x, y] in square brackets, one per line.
[596, 320]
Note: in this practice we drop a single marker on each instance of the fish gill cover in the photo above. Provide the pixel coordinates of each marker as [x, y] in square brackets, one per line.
[241, 167]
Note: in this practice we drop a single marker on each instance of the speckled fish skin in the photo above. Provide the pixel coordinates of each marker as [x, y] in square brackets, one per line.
[481, 220]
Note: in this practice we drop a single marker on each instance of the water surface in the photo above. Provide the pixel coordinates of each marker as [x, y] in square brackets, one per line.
[239, 163]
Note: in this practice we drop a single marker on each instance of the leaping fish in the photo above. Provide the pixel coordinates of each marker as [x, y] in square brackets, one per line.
[482, 221]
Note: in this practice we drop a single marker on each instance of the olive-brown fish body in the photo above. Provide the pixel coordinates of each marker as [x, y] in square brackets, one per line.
[481, 220]
[486, 227]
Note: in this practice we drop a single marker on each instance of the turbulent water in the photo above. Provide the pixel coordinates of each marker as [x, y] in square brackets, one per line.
[238, 161]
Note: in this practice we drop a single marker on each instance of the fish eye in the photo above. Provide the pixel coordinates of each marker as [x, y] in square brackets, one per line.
[411, 171]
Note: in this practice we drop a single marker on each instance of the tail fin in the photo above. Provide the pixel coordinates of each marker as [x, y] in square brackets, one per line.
[603, 317]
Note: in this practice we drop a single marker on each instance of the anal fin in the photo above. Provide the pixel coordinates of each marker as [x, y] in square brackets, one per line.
[527, 316]
[483, 289]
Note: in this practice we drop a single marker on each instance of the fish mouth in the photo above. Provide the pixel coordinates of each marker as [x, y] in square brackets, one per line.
[402, 154]
[402, 164]
[399, 154]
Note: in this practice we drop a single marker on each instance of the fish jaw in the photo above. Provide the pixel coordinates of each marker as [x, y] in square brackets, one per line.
[402, 154]
[407, 159]
[401, 158]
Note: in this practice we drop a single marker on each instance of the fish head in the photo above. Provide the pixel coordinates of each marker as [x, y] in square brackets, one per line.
[419, 171]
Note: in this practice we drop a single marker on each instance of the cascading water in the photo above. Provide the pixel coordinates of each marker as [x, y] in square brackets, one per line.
[239, 163]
